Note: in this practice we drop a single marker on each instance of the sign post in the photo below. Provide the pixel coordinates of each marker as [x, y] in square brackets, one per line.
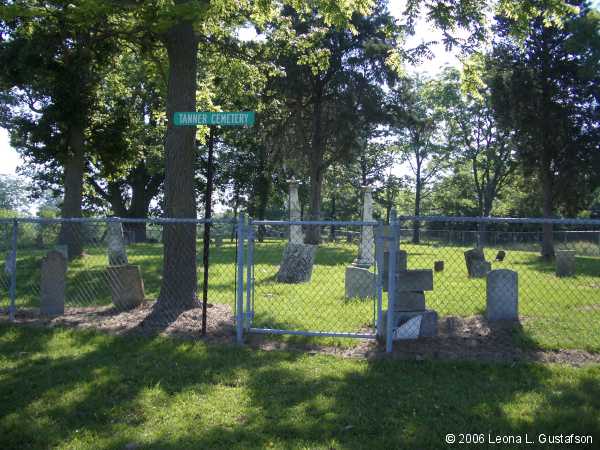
[212, 119]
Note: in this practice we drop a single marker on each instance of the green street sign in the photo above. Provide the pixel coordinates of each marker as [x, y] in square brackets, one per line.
[226, 119]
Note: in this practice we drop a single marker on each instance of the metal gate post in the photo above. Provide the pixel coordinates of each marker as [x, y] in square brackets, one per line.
[12, 266]
[249, 316]
[379, 247]
[239, 320]
[391, 282]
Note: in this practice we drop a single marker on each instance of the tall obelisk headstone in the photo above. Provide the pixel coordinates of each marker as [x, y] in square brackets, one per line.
[359, 281]
[298, 258]
[366, 251]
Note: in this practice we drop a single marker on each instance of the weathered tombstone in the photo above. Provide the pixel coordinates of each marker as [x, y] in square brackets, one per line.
[500, 255]
[565, 263]
[297, 263]
[126, 285]
[502, 295]
[409, 301]
[477, 266]
[359, 283]
[438, 266]
[298, 258]
[117, 253]
[401, 264]
[53, 282]
[366, 252]
[414, 280]
[296, 234]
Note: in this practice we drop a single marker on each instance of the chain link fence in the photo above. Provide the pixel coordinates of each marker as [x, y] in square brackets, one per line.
[110, 273]
[458, 285]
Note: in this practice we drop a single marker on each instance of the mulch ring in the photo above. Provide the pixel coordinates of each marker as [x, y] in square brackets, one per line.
[459, 338]
[188, 324]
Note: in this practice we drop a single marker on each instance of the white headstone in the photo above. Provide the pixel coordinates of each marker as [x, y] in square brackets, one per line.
[296, 235]
[366, 252]
[502, 295]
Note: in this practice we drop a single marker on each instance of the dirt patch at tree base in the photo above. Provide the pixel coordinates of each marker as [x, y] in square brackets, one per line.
[458, 339]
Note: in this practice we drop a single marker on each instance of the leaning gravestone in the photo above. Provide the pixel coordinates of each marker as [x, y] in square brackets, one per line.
[126, 285]
[502, 291]
[52, 289]
[565, 263]
[117, 252]
[298, 258]
[477, 266]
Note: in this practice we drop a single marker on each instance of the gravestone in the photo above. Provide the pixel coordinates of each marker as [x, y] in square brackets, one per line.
[359, 283]
[298, 258]
[502, 295]
[117, 253]
[297, 263]
[477, 266]
[401, 264]
[413, 324]
[126, 285]
[438, 266]
[409, 301]
[565, 263]
[500, 255]
[414, 280]
[366, 252]
[53, 283]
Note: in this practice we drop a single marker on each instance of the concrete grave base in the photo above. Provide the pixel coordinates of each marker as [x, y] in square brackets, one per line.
[297, 263]
[126, 285]
[359, 283]
[413, 324]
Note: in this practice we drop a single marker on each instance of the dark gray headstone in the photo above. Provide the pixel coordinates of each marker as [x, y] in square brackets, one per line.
[500, 255]
[477, 266]
[502, 295]
[438, 266]
[126, 285]
[297, 263]
[409, 301]
[414, 280]
[52, 289]
[359, 283]
[565, 263]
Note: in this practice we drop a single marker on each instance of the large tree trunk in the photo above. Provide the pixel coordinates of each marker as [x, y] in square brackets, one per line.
[313, 233]
[71, 233]
[179, 282]
[416, 224]
[548, 209]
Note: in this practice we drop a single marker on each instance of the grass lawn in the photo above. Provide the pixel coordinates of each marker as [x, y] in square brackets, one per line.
[72, 389]
[557, 312]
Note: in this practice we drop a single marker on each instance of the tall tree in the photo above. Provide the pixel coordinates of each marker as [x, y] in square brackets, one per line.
[546, 86]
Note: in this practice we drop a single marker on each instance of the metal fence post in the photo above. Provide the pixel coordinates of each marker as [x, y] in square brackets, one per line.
[239, 320]
[12, 309]
[394, 228]
[249, 281]
[379, 256]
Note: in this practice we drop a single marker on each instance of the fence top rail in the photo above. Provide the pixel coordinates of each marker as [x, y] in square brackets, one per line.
[506, 220]
[340, 223]
[115, 219]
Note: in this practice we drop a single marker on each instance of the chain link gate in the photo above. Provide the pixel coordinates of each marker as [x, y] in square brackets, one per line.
[326, 290]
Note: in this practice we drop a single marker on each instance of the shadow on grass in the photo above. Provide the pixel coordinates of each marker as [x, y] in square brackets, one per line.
[160, 393]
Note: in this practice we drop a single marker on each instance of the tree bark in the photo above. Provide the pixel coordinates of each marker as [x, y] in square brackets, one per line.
[179, 282]
[313, 233]
[548, 206]
[71, 233]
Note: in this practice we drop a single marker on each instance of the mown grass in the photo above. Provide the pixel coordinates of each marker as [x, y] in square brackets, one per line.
[557, 312]
[77, 390]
